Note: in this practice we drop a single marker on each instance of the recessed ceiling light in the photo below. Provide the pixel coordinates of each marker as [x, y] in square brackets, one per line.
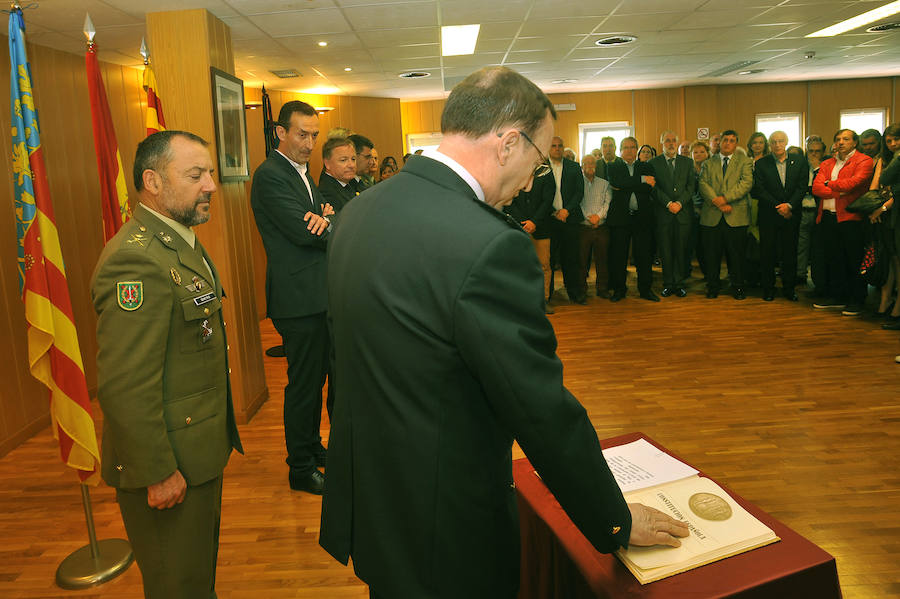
[865, 18]
[458, 40]
[414, 75]
[751, 71]
[348, 69]
[323, 44]
[616, 40]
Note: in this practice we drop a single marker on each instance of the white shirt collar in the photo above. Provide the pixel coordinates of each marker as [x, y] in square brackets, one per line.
[301, 168]
[458, 169]
[185, 232]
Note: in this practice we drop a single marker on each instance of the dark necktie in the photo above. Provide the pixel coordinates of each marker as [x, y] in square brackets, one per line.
[724, 165]
[672, 166]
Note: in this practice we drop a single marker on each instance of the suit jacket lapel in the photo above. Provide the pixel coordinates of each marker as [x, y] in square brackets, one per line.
[303, 195]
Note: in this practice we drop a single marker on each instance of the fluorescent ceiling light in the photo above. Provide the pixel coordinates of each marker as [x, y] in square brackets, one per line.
[457, 40]
[873, 15]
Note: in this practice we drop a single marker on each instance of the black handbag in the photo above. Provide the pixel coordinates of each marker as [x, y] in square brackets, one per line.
[867, 203]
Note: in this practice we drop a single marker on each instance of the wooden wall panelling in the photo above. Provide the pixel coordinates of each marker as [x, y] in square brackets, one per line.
[701, 110]
[590, 107]
[257, 148]
[739, 104]
[828, 98]
[185, 44]
[655, 111]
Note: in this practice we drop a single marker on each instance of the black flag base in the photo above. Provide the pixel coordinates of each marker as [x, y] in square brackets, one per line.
[96, 562]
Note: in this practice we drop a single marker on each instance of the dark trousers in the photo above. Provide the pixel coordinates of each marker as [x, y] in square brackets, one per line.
[673, 244]
[595, 241]
[695, 247]
[733, 240]
[776, 239]
[638, 233]
[565, 251]
[306, 345]
[176, 548]
[843, 243]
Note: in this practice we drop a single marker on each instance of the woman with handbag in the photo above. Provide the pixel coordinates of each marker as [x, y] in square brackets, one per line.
[887, 176]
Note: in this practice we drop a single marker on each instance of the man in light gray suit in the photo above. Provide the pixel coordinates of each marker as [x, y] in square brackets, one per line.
[674, 212]
[725, 183]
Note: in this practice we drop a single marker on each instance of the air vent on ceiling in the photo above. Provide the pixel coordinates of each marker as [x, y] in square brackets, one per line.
[414, 75]
[732, 67]
[883, 27]
[616, 40]
[286, 73]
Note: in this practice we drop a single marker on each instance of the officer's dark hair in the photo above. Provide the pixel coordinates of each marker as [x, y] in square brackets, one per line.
[730, 132]
[154, 153]
[333, 143]
[852, 134]
[289, 108]
[360, 142]
[492, 98]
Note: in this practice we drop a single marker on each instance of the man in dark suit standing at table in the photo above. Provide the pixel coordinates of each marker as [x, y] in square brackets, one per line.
[337, 184]
[568, 193]
[294, 225]
[725, 182]
[630, 220]
[674, 213]
[779, 183]
[445, 356]
[162, 371]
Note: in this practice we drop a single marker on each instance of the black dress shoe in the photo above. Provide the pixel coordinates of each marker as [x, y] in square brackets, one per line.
[581, 300]
[616, 296]
[666, 292]
[548, 309]
[739, 293]
[313, 482]
[649, 295]
[768, 295]
[893, 324]
[681, 292]
[276, 351]
[791, 296]
[712, 293]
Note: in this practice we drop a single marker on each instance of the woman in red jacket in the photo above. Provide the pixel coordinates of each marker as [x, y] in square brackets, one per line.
[841, 179]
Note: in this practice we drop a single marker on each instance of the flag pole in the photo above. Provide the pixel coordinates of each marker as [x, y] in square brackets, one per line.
[98, 561]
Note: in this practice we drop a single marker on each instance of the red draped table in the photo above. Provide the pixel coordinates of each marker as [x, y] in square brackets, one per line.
[559, 562]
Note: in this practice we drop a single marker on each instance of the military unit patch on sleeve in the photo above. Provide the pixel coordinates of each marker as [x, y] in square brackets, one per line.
[129, 295]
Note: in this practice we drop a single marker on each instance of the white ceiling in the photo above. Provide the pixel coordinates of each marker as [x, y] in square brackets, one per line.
[679, 41]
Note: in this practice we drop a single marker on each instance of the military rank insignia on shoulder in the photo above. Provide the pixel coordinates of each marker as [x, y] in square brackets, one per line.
[129, 295]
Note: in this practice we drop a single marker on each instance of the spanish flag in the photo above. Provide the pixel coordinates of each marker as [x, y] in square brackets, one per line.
[155, 120]
[54, 357]
[113, 191]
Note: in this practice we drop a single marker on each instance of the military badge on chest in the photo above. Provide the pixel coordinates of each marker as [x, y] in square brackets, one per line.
[205, 332]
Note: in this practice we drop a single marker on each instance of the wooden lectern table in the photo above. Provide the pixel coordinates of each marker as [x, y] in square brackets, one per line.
[558, 562]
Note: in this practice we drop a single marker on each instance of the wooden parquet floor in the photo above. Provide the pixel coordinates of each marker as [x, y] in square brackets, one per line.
[795, 409]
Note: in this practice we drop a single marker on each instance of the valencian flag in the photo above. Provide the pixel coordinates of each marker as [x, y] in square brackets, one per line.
[113, 191]
[155, 120]
[54, 357]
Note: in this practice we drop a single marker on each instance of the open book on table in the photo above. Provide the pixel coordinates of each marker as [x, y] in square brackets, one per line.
[719, 527]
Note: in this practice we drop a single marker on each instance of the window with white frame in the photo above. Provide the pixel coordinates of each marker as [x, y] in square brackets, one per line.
[590, 134]
[865, 118]
[789, 122]
[423, 141]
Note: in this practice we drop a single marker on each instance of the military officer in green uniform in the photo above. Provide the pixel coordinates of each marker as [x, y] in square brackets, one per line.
[169, 424]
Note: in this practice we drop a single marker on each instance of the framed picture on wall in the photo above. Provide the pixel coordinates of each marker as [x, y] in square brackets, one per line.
[231, 126]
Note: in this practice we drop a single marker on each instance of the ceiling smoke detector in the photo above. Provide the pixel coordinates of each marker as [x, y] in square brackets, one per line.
[414, 75]
[616, 40]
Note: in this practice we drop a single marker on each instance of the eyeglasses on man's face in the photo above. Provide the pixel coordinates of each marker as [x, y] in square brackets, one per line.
[544, 167]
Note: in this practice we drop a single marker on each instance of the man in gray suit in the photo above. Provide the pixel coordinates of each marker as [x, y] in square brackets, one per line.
[673, 191]
[725, 183]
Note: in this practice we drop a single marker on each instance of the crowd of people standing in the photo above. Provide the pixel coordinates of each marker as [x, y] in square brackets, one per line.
[819, 217]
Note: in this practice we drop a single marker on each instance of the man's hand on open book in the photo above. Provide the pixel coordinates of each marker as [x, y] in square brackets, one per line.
[650, 526]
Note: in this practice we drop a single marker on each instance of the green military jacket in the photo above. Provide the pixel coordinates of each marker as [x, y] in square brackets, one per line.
[162, 362]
